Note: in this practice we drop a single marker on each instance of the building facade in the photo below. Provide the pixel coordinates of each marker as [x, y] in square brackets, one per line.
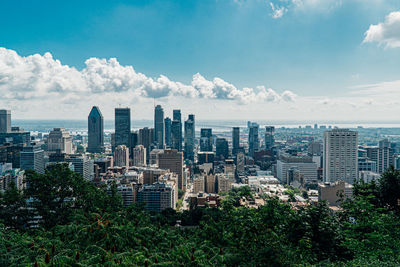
[95, 131]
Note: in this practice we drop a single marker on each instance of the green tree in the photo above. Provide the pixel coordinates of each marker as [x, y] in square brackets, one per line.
[13, 209]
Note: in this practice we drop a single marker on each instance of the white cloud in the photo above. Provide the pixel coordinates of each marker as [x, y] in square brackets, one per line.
[278, 11]
[385, 33]
[42, 77]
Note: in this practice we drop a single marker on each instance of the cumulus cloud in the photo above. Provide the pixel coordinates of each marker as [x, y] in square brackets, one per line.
[385, 33]
[40, 77]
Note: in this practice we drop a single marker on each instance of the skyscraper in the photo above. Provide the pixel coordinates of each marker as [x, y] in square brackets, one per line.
[269, 137]
[221, 148]
[176, 135]
[189, 138]
[235, 139]
[206, 141]
[176, 130]
[340, 155]
[171, 159]
[95, 131]
[254, 143]
[5, 121]
[121, 156]
[122, 126]
[32, 158]
[167, 128]
[60, 140]
[146, 139]
[159, 126]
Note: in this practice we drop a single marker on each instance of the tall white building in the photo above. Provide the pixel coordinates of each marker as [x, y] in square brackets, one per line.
[60, 140]
[340, 155]
[121, 156]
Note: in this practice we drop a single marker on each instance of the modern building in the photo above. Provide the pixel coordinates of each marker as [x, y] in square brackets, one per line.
[305, 165]
[189, 138]
[365, 164]
[82, 165]
[167, 128]
[95, 131]
[240, 162]
[5, 121]
[269, 137]
[157, 197]
[139, 156]
[146, 139]
[122, 127]
[206, 140]
[221, 148]
[224, 183]
[159, 126]
[59, 140]
[32, 158]
[235, 139]
[254, 142]
[340, 155]
[172, 159]
[121, 156]
[176, 135]
[17, 136]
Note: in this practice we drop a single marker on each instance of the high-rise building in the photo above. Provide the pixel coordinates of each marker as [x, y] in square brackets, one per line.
[121, 156]
[198, 184]
[254, 142]
[189, 138]
[340, 155]
[82, 165]
[159, 126]
[176, 130]
[122, 126]
[269, 137]
[235, 139]
[5, 121]
[146, 139]
[139, 156]
[221, 148]
[167, 127]
[206, 140]
[176, 115]
[210, 183]
[95, 131]
[32, 158]
[172, 159]
[17, 136]
[176, 135]
[157, 197]
[60, 140]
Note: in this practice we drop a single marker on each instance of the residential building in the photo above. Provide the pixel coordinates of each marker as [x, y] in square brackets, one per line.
[340, 155]
[157, 197]
[172, 159]
[121, 156]
[139, 156]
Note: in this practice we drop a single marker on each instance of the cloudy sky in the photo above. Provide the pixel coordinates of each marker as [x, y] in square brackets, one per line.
[219, 59]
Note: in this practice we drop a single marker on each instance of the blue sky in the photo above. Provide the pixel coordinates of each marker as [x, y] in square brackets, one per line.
[314, 50]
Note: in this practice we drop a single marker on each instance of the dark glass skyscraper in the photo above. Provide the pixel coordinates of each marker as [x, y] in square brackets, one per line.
[235, 139]
[159, 126]
[189, 138]
[176, 130]
[221, 148]
[253, 138]
[167, 129]
[122, 126]
[269, 137]
[5, 121]
[176, 135]
[206, 143]
[95, 131]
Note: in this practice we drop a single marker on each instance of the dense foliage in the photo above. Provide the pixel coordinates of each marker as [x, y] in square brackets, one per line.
[81, 225]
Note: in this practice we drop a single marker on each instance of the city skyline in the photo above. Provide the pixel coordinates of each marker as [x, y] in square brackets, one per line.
[329, 66]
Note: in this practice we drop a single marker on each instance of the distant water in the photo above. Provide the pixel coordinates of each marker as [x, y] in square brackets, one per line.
[216, 125]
